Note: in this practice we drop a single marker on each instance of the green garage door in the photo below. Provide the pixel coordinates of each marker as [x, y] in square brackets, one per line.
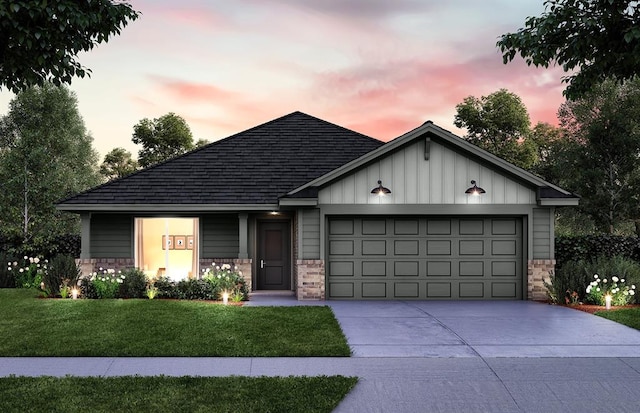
[424, 258]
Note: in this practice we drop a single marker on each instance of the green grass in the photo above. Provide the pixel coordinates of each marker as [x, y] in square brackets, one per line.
[628, 316]
[52, 327]
[173, 394]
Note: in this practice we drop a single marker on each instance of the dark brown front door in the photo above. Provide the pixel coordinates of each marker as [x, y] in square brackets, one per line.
[274, 255]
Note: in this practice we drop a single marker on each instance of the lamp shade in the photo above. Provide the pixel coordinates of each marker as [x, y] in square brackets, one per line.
[380, 190]
[475, 189]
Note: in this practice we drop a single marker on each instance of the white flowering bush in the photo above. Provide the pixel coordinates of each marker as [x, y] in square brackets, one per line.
[616, 287]
[106, 283]
[28, 272]
[225, 278]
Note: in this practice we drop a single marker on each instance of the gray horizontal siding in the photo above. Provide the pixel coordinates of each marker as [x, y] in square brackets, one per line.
[219, 236]
[310, 234]
[111, 236]
[542, 233]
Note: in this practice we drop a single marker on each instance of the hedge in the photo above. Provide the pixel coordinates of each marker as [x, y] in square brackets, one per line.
[589, 247]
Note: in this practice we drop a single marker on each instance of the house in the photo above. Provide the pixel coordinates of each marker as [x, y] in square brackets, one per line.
[302, 204]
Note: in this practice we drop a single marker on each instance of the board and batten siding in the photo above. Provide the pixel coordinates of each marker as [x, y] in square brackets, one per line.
[111, 236]
[310, 237]
[220, 236]
[413, 180]
[543, 234]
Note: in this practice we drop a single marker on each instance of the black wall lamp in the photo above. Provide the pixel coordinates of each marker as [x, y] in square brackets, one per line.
[475, 189]
[380, 190]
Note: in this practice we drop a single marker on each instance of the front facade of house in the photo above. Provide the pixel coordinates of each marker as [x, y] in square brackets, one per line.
[293, 203]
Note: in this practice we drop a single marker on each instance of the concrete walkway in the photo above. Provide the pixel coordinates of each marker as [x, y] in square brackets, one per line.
[433, 357]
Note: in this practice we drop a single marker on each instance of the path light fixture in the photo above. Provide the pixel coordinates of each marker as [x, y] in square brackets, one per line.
[380, 190]
[475, 190]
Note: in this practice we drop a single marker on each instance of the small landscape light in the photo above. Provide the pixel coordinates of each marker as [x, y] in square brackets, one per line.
[225, 298]
[607, 301]
[74, 293]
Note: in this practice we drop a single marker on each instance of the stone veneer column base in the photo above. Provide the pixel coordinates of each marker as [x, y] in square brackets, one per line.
[243, 264]
[90, 265]
[310, 280]
[538, 270]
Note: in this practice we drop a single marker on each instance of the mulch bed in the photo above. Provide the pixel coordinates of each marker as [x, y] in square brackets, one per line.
[590, 308]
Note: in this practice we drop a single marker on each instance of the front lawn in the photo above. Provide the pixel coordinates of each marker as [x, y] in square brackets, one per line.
[627, 316]
[173, 394]
[31, 326]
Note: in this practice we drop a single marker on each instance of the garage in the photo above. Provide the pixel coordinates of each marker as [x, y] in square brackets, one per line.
[425, 257]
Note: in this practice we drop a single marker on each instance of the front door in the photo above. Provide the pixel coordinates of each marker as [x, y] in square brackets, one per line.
[274, 255]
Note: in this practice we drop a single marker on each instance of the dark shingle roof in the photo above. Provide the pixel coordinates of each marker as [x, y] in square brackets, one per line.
[256, 166]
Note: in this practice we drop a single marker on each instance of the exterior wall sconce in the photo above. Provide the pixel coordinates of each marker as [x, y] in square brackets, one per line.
[474, 190]
[380, 190]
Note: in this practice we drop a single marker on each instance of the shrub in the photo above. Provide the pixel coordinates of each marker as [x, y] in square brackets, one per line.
[62, 272]
[575, 248]
[87, 289]
[225, 278]
[134, 284]
[7, 279]
[166, 288]
[107, 283]
[615, 287]
[569, 279]
[28, 272]
[575, 276]
[193, 289]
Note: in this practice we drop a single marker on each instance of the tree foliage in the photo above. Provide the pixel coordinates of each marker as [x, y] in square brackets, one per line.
[162, 138]
[40, 39]
[596, 39]
[117, 164]
[601, 152]
[46, 155]
[498, 123]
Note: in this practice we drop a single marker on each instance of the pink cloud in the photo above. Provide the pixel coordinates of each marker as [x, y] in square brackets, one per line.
[192, 92]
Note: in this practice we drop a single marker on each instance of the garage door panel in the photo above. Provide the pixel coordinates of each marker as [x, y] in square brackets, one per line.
[374, 247]
[438, 268]
[504, 290]
[503, 226]
[439, 247]
[408, 247]
[374, 227]
[406, 227]
[425, 258]
[504, 269]
[504, 247]
[438, 227]
[471, 227]
[374, 268]
[406, 268]
[374, 290]
[471, 290]
[406, 290]
[341, 290]
[341, 227]
[438, 290]
[471, 268]
[473, 247]
[341, 268]
[341, 247]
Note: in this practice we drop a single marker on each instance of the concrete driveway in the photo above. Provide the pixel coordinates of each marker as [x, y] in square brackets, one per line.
[479, 329]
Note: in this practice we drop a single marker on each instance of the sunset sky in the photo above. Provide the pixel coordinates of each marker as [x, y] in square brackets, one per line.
[379, 67]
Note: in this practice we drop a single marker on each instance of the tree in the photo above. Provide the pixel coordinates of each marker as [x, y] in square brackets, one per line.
[117, 164]
[162, 138]
[599, 39]
[40, 40]
[46, 155]
[498, 123]
[601, 153]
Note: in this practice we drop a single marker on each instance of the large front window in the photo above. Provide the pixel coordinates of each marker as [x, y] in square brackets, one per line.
[167, 247]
